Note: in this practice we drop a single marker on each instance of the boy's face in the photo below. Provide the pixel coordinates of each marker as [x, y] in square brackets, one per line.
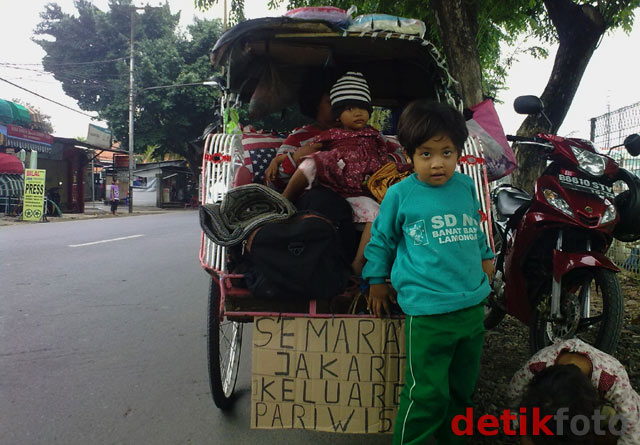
[354, 118]
[435, 160]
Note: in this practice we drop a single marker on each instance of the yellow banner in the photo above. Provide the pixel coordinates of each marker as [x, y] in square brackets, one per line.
[33, 194]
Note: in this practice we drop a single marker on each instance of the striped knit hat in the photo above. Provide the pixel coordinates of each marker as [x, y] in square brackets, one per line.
[352, 88]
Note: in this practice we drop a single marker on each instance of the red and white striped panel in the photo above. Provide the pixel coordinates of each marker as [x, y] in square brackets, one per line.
[223, 154]
[472, 164]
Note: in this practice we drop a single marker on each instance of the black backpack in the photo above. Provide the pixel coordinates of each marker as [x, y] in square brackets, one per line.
[300, 257]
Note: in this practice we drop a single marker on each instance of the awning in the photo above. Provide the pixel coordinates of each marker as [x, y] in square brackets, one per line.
[6, 115]
[10, 164]
[11, 185]
[27, 139]
[25, 144]
[21, 115]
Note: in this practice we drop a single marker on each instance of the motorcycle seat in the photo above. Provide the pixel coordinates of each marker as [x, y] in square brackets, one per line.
[509, 200]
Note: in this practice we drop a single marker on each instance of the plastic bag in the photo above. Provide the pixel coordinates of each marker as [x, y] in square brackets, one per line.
[329, 14]
[486, 127]
[385, 22]
[273, 92]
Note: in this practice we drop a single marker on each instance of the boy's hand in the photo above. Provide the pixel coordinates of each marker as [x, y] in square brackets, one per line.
[489, 268]
[272, 170]
[380, 298]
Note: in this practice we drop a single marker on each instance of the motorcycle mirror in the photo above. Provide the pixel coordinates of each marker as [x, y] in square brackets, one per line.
[528, 105]
[632, 144]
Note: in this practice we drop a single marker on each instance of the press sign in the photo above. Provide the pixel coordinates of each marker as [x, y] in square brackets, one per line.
[33, 201]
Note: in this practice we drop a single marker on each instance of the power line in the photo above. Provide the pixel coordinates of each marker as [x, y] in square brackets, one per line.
[46, 98]
[59, 72]
[65, 64]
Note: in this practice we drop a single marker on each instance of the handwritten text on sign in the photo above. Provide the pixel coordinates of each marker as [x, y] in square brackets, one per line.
[338, 375]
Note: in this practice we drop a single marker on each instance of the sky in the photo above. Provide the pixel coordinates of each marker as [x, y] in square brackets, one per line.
[611, 80]
[19, 23]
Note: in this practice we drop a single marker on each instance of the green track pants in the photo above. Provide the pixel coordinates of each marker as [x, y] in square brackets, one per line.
[443, 360]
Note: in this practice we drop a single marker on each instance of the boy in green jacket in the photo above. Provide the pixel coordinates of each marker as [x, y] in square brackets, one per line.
[427, 239]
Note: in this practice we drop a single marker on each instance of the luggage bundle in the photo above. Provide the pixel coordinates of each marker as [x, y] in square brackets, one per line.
[283, 253]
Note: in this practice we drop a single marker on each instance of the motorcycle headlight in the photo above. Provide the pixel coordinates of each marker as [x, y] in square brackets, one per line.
[556, 201]
[609, 214]
[589, 162]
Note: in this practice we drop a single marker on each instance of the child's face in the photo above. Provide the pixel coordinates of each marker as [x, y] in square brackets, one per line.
[354, 118]
[435, 160]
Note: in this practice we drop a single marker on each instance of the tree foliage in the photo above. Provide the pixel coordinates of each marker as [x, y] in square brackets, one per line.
[89, 54]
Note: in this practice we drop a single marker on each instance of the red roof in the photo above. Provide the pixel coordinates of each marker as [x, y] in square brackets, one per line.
[10, 164]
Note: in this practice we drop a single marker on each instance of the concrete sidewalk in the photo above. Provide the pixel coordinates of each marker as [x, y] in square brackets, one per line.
[93, 210]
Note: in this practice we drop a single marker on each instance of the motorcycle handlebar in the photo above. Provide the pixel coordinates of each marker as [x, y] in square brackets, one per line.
[513, 138]
[544, 144]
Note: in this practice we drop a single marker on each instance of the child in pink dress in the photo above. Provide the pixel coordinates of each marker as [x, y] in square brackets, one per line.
[343, 158]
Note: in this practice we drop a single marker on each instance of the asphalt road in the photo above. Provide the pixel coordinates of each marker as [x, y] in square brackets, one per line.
[103, 339]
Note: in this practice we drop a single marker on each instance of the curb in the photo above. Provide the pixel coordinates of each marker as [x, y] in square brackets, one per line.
[92, 213]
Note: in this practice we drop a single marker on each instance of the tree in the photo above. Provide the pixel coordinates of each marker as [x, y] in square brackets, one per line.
[39, 121]
[578, 29]
[88, 54]
[470, 32]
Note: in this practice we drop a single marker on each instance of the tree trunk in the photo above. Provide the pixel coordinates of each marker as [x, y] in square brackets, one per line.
[458, 27]
[194, 159]
[579, 28]
[192, 152]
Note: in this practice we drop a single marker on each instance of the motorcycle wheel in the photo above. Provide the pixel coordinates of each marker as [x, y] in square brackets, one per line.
[600, 329]
[493, 312]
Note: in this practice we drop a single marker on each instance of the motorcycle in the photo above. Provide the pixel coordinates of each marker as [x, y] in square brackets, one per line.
[552, 272]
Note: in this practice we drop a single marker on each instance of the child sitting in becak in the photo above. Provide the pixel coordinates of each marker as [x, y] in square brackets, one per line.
[343, 158]
[606, 375]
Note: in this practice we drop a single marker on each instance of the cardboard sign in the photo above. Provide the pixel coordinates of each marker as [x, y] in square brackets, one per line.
[33, 204]
[339, 375]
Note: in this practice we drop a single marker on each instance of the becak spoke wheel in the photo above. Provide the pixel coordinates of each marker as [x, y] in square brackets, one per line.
[224, 347]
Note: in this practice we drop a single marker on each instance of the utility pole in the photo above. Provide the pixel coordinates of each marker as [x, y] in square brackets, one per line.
[224, 16]
[131, 105]
[132, 98]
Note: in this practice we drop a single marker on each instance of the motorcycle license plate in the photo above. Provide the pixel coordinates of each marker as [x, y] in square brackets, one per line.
[586, 185]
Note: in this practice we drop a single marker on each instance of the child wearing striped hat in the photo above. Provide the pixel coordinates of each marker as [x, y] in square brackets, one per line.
[344, 157]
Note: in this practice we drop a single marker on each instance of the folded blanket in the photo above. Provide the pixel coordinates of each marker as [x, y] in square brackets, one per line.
[242, 210]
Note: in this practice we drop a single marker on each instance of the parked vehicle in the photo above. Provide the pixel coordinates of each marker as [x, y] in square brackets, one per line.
[553, 273]
[265, 62]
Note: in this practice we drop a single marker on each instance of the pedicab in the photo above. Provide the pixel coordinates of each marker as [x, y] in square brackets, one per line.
[277, 53]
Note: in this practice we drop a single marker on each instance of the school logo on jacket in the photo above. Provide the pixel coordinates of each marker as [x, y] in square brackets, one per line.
[449, 229]
[417, 231]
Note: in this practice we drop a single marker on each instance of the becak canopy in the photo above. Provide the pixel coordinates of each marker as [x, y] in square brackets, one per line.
[10, 164]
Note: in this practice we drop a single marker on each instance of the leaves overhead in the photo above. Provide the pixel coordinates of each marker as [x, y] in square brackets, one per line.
[89, 54]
